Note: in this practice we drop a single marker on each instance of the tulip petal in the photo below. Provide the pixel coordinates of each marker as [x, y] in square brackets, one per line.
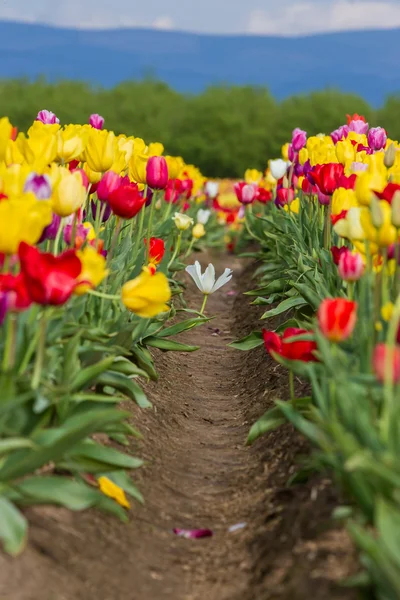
[208, 279]
[192, 534]
[193, 272]
[222, 280]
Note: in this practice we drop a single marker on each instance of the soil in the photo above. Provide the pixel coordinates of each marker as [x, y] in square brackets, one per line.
[199, 473]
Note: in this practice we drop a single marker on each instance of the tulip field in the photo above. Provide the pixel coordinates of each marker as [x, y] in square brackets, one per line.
[107, 291]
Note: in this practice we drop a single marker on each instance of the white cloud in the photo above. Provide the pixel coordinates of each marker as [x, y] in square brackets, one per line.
[163, 23]
[314, 17]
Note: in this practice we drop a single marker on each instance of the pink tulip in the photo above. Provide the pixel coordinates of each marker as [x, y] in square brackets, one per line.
[96, 121]
[299, 139]
[47, 117]
[246, 192]
[108, 183]
[351, 266]
[377, 138]
[382, 354]
[157, 173]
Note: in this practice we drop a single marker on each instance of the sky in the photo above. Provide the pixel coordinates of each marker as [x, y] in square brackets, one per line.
[252, 17]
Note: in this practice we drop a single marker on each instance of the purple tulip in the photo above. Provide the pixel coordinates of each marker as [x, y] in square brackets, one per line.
[106, 213]
[47, 117]
[299, 139]
[322, 198]
[96, 121]
[359, 126]
[40, 185]
[149, 196]
[291, 153]
[50, 232]
[80, 232]
[157, 172]
[340, 134]
[307, 168]
[298, 169]
[377, 138]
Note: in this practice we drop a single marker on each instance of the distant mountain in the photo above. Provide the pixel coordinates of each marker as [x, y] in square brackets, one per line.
[363, 62]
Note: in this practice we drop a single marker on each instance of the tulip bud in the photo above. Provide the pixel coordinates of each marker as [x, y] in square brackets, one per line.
[108, 183]
[351, 266]
[377, 138]
[396, 209]
[382, 355]
[96, 121]
[40, 185]
[47, 117]
[278, 168]
[390, 156]
[299, 139]
[198, 231]
[376, 213]
[157, 172]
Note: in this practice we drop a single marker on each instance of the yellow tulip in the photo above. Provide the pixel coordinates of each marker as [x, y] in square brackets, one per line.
[100, 150]
[253, 176]
[385, 235]
[70, 144]
[345, 151]
[368, 182]
[155, 149]
[175, 164]
[137, 167]
[93, 270]
[182, 221]
[125, 144]
[12, 179]
[69, 195]
[13, 154]
[40, 147]
[22, 219]
[198, 231]
[147, 295]
[303, 156]
[294, 206]
[343, 199]
[285, 151]
[93, 176]
[387, 311]
[350, 227]
[112, 490]
[5, 135]
[139, 146]
[120, 163]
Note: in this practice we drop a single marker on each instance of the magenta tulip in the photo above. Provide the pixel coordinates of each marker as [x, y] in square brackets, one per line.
[157, 173]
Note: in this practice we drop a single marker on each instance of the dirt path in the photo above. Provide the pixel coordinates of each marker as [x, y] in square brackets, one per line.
[199, 474]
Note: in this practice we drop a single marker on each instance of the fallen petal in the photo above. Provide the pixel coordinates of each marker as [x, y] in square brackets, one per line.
[192, 534]
[234, 528]
[231, 293]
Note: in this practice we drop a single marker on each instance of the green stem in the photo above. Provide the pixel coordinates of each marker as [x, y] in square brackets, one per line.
[9, 348]
[40, 351]
[204, 304]
[150, 224]
[73, 234]
[291, 387]
[327, 226]
[388, 386]
[58, 237]
[190, 247]
[103, 295]
[114, 240]
[176, 251]
[141, 224]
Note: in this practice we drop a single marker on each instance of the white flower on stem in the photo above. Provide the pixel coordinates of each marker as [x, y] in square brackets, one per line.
[212, 189]
[182, 221]
[206, 281]
[203, 216]
[278, 168]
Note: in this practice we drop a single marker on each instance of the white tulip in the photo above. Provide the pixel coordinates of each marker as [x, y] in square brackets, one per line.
[206, 282]
[212, 189]
[278, 168]
[203, 216]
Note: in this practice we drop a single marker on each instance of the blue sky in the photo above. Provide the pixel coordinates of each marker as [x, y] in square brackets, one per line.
[286, 17]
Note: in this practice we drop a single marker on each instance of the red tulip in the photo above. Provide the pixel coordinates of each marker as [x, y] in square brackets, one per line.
[337, 318]
[157, 173]
[50, 280]
[290, 350]
[263, 195]
[382, 354]
[355, 117]
[157, 250]
[338, 252]
[348, 183]
[126, 201]
[246, 193]
[388, 192]
[351, 266]
[336, 218]
[327, 177]
[15, 289]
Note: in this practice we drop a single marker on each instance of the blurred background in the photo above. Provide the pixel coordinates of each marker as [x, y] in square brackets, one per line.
[220, 82]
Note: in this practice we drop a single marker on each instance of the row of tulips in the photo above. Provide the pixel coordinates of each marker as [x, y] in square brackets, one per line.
[329, 252]
[93, 231]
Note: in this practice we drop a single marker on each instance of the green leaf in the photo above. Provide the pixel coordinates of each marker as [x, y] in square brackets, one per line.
[284, 306]
[71, 364]
[271, 420]
[13, 528]
[182, 326]
[169, 345]
[109, 457]
[130, 388]
[90, 374]
[388, 524]
[251, 341]
[53, 489]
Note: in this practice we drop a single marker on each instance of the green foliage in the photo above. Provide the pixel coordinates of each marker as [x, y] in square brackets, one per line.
[223, 130]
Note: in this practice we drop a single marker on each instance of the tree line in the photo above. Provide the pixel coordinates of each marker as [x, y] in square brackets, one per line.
[223, 130]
